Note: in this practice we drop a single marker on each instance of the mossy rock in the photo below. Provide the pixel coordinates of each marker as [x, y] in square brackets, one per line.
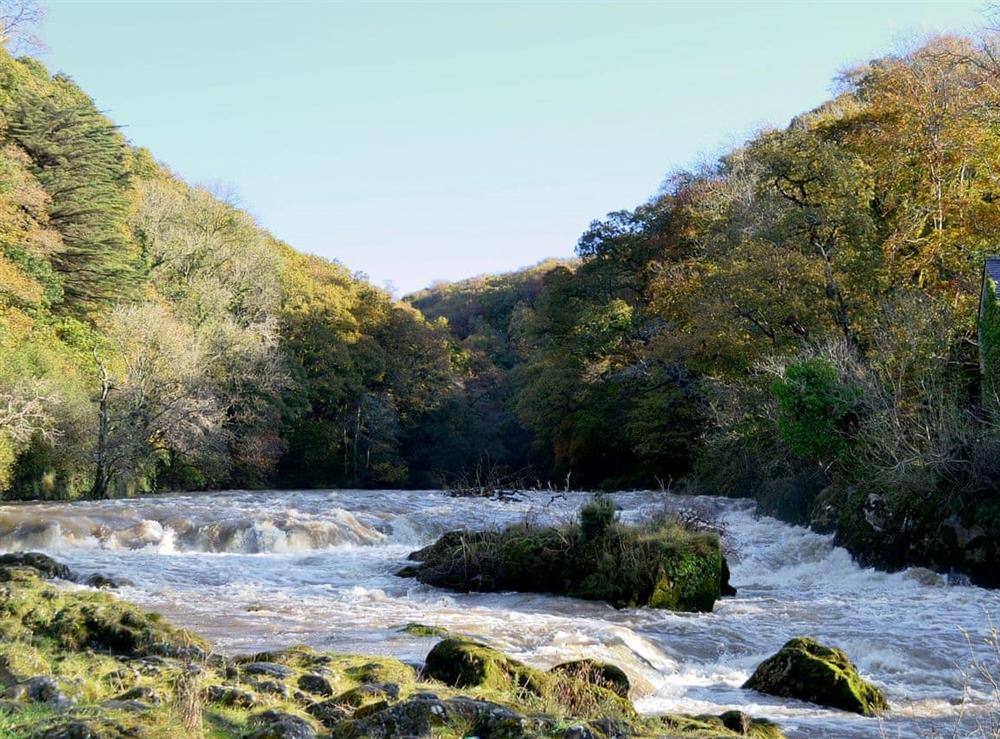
[415, 629]
[124, 669]
[729, 724]
[382, 670]
[45, 565]
[806, 670]
[462, 663]
[96, 621]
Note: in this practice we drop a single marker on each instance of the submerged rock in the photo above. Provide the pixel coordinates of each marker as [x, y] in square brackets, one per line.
[415, 629]
[806, 670]
[97, 580]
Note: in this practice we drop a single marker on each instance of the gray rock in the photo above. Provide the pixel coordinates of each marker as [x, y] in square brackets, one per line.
[273, 724]
[227, 695]
[73, 730]
[141, 693]
[132, 706]
[272, 687]
[271, 669]
[316, 684]
[420, 718]
[41, 689]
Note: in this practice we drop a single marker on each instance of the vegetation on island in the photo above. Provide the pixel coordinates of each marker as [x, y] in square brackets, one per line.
[661, 563]
[79, 663]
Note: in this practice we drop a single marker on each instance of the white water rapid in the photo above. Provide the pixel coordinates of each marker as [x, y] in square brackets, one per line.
[253, 571]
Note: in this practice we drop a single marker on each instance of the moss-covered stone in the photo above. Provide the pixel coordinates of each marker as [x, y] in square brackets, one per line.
[463, 663]
[661, 564]
[806, 670]
[415, 629]
[77, 620]
[729, 724]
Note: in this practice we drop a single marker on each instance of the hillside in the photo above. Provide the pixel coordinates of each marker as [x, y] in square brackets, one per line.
[152, 336]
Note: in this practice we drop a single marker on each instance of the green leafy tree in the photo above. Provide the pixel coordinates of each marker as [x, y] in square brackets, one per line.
[816, 411]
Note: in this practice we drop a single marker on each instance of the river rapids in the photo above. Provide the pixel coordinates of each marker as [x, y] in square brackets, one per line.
[255, 571]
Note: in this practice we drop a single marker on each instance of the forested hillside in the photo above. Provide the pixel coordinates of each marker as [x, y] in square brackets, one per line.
[796, 321]
[152, 336]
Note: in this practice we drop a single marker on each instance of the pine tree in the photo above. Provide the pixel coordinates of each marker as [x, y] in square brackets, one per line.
[81, 160]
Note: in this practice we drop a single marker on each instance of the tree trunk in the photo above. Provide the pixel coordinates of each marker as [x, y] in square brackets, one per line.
[102, 473]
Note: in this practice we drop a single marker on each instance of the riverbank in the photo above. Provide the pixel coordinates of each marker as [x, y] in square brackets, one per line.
[941, 530]
[79, 663]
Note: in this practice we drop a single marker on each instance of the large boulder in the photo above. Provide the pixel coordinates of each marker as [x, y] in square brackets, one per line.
[806, 670]
[463, 663]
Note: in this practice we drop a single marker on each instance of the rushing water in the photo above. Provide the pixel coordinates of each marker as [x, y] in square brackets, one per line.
[253, 571]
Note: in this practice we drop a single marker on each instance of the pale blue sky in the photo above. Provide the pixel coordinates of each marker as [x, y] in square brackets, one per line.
[421, 142]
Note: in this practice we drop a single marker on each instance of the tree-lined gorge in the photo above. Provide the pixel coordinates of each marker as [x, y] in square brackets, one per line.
[795, 321]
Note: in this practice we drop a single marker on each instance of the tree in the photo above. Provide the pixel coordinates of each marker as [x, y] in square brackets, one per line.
[156, 404]
[81, 161]
[19, 21]
[815, 409]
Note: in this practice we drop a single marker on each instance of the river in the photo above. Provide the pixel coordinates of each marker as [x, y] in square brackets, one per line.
[259, 570]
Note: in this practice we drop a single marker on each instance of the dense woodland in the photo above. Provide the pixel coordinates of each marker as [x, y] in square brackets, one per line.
[796, 320]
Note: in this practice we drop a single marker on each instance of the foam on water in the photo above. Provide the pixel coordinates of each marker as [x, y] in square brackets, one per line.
[255, 571]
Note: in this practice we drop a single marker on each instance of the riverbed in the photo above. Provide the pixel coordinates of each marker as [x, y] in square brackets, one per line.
[259, 570]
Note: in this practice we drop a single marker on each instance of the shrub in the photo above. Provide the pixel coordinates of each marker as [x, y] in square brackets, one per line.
[597, 516]
[815, 409]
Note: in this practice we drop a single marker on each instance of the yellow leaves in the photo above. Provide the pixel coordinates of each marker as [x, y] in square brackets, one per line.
[15, 327]
[17, 287]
